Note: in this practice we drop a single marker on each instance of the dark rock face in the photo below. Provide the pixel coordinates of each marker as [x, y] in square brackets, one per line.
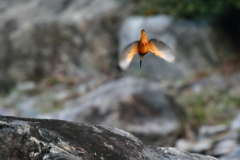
[54, 139]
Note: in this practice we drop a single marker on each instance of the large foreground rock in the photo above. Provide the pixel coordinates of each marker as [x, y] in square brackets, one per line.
[137, 105]
[38, 139]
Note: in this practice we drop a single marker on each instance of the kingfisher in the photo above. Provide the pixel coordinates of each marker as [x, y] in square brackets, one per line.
[143, 47]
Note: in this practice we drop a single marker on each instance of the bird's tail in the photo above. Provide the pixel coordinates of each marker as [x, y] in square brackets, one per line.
[141, 57]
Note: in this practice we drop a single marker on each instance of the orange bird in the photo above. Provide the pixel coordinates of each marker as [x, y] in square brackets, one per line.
[142, 47]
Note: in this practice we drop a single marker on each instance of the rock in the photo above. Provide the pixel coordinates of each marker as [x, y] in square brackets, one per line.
[235, 92]
[54, 139]
[234, 155]
[183, 144]
[224, 147]
[224, 143]
[6, 110]
[216, 81]
[235, 124]
[201, 146]
[26, 86]
[29, 99]
[235, 79]
[29, 104]
[208, 131]
[139, 106]
[43, 38]
[213, 82]
[190, 41]
[216, 140]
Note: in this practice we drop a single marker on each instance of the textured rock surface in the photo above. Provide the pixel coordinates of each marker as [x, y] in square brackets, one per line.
[136, 105]
[190, 41]
[43, 38]
[53, 139]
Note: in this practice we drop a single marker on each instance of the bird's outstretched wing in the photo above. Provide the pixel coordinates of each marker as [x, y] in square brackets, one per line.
[128, 54]
[161, 50]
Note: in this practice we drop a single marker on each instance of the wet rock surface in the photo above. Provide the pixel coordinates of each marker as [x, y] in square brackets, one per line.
[55, 139]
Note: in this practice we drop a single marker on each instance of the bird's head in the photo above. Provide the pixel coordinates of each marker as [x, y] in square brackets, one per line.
[144, 39]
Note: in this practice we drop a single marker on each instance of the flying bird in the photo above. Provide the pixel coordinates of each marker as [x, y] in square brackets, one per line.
[142, 47]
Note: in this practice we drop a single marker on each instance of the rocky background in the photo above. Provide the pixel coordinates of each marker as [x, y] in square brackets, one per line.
[58, 59]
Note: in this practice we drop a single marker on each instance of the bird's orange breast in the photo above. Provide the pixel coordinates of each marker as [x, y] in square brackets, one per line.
[143, 49]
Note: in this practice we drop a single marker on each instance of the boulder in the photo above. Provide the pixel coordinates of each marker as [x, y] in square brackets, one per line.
[234, 155]
[137, 105]
[54, 139]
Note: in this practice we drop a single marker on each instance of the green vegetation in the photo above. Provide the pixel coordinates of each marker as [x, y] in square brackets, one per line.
[209, 107]
[192, 9]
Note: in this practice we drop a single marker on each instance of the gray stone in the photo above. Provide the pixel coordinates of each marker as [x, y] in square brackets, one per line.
[224, 147]
[235, 91]
[26, 86]
[235, 79]
[208, 131]
[201, 146]
[184, 144]
[27, 104]
[137, 105]
[214, 140]
[234, 155]
[53, 139]
[235, 124]
[216, 81]
[50, 38]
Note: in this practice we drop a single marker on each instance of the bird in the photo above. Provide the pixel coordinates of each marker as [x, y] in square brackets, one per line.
[143, 47]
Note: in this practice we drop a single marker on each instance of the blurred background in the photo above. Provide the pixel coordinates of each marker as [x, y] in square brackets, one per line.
[59, 60]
